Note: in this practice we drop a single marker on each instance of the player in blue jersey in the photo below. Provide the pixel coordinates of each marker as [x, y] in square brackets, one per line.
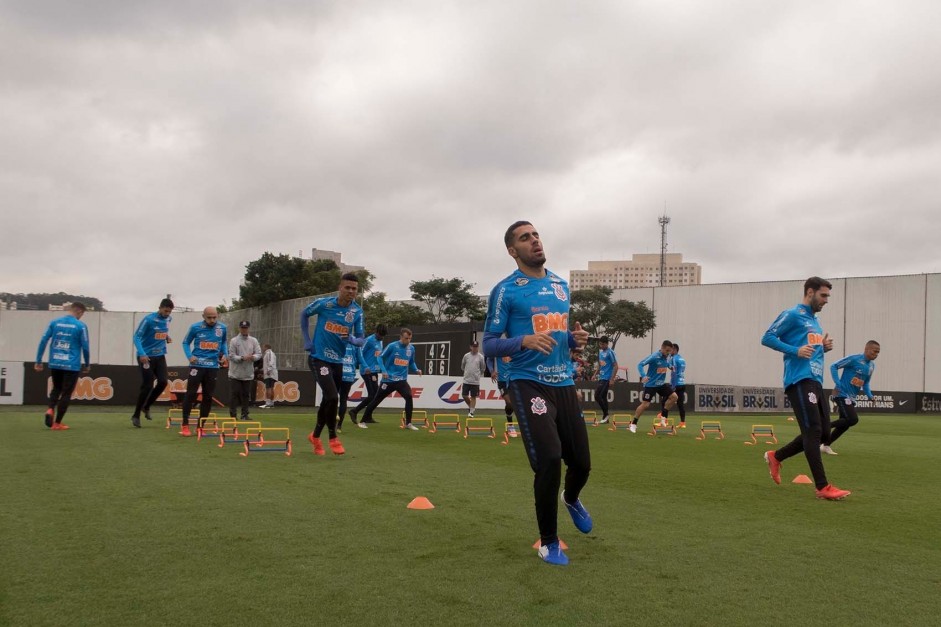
[351, 362]
[607, 375]
[658, 364]
[69, 347]
[798, 335]
[528, 320]
[206, 348]
[678, 381]
[396, 362]
[857, 371]
[500, 374]
[150, 340]
[339, 322]
[370, 370]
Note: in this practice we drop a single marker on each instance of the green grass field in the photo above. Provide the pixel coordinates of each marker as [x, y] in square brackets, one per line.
[109, 525]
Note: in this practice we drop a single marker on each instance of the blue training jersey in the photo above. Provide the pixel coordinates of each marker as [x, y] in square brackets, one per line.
[857, 371]
[369, 355]
[150, 339]
[794, 328]
[500, 365]
[679, 370]
[206, 343]
[333, 322]
[397, 360]
[69, 337]
[522, 305]
[657, 365]
[607, 361]
[350, 362]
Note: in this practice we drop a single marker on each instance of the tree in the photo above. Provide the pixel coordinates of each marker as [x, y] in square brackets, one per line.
[376, 310]
[272, 278]
[593, 309]
[447, 299]
[43, 300]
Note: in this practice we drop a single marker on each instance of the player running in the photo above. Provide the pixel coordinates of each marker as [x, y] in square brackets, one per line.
[678, 381]
[658, 364]
[857, 371]
[207, 349]
[396, 361]
[797, 333]
[69, 337]
[150, 340]
[607, 375]
[531, 309]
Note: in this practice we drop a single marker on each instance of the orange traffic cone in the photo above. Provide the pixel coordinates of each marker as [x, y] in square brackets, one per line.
[420, 502]
[802, 479]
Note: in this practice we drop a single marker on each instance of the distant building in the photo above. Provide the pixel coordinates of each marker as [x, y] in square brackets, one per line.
[333, 256]
[641, 270]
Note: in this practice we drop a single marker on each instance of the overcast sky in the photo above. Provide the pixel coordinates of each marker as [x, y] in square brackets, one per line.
[153, 147]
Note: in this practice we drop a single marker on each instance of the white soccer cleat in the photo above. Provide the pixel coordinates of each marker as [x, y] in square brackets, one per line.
[827, 450]
[411, 427]
[633, 428]
[360, 425]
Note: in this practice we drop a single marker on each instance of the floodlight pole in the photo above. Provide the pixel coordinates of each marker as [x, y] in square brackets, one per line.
[664, 221]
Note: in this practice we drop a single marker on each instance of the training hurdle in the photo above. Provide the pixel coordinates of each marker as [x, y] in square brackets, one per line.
[419, 419]
[662, 428]
[511, 430]
[590, 417]
[446, 422]
[263, 445]
[203, 429]
[710, 426]
[175, 417]
[229, 431]
[762, 431]
[620, 422]
[479, 426]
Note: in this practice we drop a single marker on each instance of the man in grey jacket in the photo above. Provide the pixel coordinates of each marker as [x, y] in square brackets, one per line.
[244, 350]
[473, 367]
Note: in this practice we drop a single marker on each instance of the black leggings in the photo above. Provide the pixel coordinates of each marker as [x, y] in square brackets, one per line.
[154, 370]
[387, 388]
[681, 401]
[848, 418]
[601, 395]
[550, 421]
[371, 381]
[345, 387]
[329, 376]
[63, 384]
[813, 417]
[199, 376]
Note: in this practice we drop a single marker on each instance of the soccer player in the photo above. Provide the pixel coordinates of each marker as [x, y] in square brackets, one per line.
[370, 369]
[339, 322]
[500, 374]
[607, 374]
[351, 361]
[244, 350]
[150, 340]
[206, 348]
[396, 361]
[658, 364]
[678, 381]
[269, 371]
[69, 337]
[531, 309]
[473, 367]
[857, 371]
[798, 335]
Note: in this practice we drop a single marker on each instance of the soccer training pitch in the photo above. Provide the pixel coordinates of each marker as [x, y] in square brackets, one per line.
[105, 524]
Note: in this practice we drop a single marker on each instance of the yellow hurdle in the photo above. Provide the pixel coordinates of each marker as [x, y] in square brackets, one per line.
[710, 426]
[511, 430]
[479, 426]
[620, 422]
[229, 431]
[267, 445]
[419, 419]
[446, 422]
[762, 431]
[590, 417]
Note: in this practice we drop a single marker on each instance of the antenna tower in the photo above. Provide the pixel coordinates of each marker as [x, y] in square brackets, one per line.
[664, 221]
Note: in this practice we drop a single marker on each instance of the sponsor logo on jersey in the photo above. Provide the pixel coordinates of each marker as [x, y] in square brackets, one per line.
[160, 335]
[208, 346]
[339, 329]
[521, 281]
[546, 323]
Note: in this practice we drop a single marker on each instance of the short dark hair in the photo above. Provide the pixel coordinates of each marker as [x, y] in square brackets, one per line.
[815, 283]
[350, 276]
[667, 343]
[508, 236]
[873, 342]
[381, 329]
[79, 306]
[405, 330]
[166, 302]
[604, 338]
[676, 346]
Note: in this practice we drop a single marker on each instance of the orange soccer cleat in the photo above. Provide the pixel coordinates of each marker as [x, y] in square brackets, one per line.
[318, 445]
[774, 466]
[832, 493]
[185, 431]
[336, 447]
[59, 427]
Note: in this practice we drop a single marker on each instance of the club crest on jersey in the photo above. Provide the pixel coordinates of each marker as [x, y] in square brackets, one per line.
[560, 292]
[539, 406]
[218, 332]
[350, 316]
[521, 281]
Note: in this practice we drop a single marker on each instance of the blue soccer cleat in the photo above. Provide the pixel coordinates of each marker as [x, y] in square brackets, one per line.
[580, 515]
[552, 554]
